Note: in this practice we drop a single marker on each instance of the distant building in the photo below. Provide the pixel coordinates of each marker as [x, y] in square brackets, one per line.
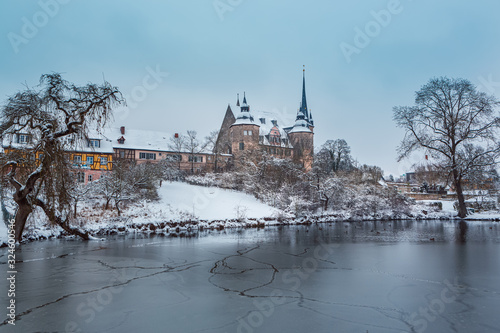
[90, 157]
[144, 146]
[244, 132]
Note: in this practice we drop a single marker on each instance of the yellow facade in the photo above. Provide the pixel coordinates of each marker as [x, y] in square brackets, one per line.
[92, 160]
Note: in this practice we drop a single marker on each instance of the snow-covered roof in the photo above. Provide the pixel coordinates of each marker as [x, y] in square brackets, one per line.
[301, 126]
[139, 139]
[142, 139]
[10, 140]
[267, 125]
[248, 120]
[83, 145]
[266, 121]
[77, 144]
[108, 141]
[243, 118]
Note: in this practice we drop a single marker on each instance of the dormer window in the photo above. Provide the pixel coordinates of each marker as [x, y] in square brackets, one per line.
[96, 143]
[121, 140]
[23, 138]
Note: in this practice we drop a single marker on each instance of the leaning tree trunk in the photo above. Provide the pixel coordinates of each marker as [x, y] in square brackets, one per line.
[56, 218]
[23, 211]
[462, 209]
[20, 197]
[117, 205]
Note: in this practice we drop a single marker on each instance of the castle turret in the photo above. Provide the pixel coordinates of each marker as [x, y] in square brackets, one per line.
[301, 134]
[244, 132]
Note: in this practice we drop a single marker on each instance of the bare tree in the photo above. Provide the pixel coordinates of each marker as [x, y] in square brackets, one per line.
[47, 116]
[213, 144]
[193, 146]
[176, 144]
[432, 175]
[129, 181]
[456, 125]
[113, 187]
[334, 156]
[78, 192]
[167, 169]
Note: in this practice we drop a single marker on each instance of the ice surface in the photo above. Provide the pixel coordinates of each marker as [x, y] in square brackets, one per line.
[374, 277]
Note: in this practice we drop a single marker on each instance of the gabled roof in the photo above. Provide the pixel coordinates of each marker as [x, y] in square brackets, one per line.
[142, 140]
[82, 145]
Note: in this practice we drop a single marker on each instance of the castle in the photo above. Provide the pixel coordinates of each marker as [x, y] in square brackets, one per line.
[243, 133]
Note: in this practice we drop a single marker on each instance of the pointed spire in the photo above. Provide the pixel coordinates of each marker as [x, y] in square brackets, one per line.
[303, 113]
[303, 105]
[238, 100]
[244, 106]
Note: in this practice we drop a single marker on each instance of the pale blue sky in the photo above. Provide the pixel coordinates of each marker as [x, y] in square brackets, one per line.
[257, 46]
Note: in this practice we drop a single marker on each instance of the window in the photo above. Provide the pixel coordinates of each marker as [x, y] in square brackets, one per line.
[90, 178]
[80, 177]
[94, 143]
[242, 146]
[122, 154]
[23, 138]
[249, 132]
[104, 161]
[77, 159]
[195, 159]
[209, 158]
[147, 156]
[90, 160]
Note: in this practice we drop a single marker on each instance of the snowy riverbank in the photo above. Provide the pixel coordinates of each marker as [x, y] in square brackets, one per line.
[184, 208]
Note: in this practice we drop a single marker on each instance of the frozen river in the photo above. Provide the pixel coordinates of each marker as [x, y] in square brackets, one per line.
[426, 276]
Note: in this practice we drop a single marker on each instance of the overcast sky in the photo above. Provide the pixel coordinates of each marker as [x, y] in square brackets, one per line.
[181, 62]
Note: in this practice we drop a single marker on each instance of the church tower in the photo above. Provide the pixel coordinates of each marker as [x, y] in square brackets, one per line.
[301, 134]
[244, 132]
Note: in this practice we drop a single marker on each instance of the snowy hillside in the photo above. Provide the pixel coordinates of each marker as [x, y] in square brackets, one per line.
[208, 203]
